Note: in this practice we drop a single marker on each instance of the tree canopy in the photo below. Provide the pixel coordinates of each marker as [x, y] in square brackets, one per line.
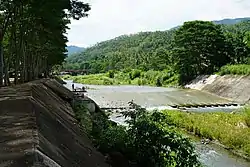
[33, 36]
[199, 48]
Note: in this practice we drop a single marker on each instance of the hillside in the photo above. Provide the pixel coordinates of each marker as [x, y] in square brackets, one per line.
[74, 49]
[146, 50]
[231, 21]
[226, 21]
[125, 51]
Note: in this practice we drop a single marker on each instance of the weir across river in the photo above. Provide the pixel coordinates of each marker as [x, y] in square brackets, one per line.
[117, 97]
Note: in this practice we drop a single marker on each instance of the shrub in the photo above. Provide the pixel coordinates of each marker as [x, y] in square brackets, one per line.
[229, 129]
[240, 69]
[134, 74]
[247, 118]
[107, 81]
[150, 144]
[145, 141]
[158, 82]
[139, 82]
[111, 74]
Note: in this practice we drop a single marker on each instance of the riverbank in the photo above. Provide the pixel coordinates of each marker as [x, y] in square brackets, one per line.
[38, 127]
[133, 77]
[230, 129]
[234, 87]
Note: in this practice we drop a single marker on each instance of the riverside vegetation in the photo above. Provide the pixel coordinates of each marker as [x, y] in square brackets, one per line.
[155, 137]
[128, 77]
[230, 129]
[166, 78]
[147, 140]
[164, 58]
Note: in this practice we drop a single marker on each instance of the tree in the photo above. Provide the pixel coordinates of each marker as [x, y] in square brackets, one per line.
[33, 36]
[199, 48]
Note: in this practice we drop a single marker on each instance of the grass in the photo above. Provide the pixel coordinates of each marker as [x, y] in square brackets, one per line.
[133, 77]
[231, 130]
[240, 69]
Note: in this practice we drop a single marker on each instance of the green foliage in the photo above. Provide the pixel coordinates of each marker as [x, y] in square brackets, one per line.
[247, 38]
[111, 74]
[33, 35]
[247, 118]
[83, 116]
[152, 145]
[143, 51]
[229, 129]
[158, 82]
[134, 74]
[147, 141]
[198, 49]
[135, 77]
[240, 69]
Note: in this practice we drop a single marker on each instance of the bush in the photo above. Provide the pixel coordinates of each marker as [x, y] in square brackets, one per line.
[135, 74]
[135, 77]
[240, 69]
[147, 141]
[229, 129]
[247, 119]
[158, 82]
[152, 145]
[111, 74]
[107, 81]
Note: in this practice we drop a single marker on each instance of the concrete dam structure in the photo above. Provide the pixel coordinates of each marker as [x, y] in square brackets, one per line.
[38, 128]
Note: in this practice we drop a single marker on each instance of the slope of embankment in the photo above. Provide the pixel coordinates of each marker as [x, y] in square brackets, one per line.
[233, 87]
[38, 128]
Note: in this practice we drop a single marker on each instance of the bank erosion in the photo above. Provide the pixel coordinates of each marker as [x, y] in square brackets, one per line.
[38, 128]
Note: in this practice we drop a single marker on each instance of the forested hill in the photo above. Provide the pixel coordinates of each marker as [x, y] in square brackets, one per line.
[156, 50]
[74, 49]
[231, 21]
[125, 51]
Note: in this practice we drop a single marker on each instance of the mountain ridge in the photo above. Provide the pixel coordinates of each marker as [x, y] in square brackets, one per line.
[72, 49]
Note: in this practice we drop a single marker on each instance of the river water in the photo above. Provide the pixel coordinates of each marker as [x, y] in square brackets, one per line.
[163, 98]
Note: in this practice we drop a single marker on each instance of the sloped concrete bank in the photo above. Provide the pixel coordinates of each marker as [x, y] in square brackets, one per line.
[236, 88]
[38, 128]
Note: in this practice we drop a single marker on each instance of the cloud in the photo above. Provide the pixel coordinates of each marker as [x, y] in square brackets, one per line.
[111, 18]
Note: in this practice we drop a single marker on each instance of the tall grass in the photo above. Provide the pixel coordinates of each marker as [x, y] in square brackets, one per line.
[240, 69]
[131, 77]
[232, 130]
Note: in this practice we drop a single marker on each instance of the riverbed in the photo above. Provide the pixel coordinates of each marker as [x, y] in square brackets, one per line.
[162, 98]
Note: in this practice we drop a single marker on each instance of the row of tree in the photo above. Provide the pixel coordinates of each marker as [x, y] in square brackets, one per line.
[197, 47]
[32, 36]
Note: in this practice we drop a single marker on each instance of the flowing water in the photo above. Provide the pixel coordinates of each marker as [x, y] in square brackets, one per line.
[163, 98]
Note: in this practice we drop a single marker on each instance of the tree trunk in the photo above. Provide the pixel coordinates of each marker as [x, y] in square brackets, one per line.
[6, 71]
[1, 58]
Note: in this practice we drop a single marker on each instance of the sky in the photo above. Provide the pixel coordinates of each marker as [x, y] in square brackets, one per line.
[111, 18]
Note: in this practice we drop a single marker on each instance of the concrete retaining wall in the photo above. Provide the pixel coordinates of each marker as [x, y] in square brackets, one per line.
[236, 88]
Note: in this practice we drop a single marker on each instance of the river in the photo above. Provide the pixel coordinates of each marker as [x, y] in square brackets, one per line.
[162, 98]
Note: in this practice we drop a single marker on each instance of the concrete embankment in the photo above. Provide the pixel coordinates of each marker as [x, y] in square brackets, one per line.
[38, 128]
[236, 88]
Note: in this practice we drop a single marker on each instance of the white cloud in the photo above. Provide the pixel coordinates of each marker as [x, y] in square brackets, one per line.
[111, 18]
